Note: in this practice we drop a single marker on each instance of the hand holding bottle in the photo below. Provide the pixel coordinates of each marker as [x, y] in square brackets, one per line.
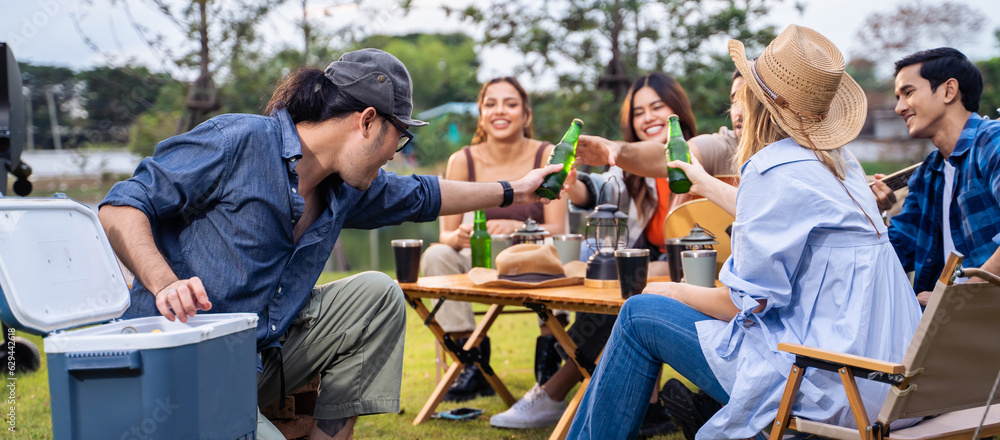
[563, 154]
[525, 188]
[500, 226]
[458, 239]
[596, 151]
[677, 151]
[695, 173]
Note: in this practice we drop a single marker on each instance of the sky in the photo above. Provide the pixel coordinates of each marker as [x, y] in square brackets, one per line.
[44, 31]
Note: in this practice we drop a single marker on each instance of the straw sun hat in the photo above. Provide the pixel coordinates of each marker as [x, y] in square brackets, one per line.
[529, 266]
[800, 79]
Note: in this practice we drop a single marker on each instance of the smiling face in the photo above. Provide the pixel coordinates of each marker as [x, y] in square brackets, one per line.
[502, 114]
[650, 116]
[923, 110]
[735, 110]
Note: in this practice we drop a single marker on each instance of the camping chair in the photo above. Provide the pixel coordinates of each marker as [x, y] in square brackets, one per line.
[948, 375]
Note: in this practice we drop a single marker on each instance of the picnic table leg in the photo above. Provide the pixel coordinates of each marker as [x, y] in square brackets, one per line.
[433, 326]
[456, 366]
[567, 343]
[439, 391]
[453, 371]
[477, 336]
[562, 428]
[570, 348]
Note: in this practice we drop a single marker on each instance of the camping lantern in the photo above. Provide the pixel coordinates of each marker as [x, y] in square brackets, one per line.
[699, 238]
[606, 231]
[531, 232]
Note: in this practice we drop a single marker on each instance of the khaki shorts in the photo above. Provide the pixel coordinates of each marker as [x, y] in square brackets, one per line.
[351, 333]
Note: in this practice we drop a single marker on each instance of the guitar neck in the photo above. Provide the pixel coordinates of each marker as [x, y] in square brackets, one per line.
[899, 179]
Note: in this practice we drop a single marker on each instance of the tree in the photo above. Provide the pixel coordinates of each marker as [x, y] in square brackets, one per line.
[49, 88]
[614, 40]
[114, 97]
[251, 80]
[443, 66]
[889, 36]
[314, 34]
[989, 102]
[209, 28]
[600, 46]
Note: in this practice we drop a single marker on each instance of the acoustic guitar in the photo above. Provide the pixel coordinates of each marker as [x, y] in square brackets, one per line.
[898, 180]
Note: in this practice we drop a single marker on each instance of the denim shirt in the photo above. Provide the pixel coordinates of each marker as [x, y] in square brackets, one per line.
[222, 201]
[915, 232]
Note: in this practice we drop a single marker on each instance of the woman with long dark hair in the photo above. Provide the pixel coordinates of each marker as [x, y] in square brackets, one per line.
[810, 264]
[644, 117]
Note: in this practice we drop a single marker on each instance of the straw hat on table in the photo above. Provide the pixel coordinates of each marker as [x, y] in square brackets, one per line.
[529, 266]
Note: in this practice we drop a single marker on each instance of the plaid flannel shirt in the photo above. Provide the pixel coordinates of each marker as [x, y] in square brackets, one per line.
[975, 206]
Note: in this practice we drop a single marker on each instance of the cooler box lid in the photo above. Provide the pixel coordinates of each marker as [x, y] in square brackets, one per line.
[155, 332]
[57, 269]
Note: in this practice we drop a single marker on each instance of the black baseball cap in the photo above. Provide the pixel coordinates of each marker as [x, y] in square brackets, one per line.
[378, 79]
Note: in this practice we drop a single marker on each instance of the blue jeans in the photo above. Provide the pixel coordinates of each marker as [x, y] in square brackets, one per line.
[651, 330]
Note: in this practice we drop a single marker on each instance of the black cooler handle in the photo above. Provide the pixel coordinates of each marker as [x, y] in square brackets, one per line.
[104, 360]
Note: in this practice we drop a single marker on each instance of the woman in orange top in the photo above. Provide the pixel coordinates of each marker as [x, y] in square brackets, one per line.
[644, 117]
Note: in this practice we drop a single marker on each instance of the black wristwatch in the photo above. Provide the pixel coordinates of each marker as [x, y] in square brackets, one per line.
[508, 194]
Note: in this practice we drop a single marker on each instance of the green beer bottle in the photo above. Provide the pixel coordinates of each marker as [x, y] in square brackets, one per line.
[565, 154]
[677, 149]
[479, 241]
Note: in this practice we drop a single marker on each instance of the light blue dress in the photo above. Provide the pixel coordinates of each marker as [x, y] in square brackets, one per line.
[830, 281]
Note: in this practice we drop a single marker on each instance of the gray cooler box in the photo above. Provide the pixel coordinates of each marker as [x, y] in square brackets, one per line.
[145, 378]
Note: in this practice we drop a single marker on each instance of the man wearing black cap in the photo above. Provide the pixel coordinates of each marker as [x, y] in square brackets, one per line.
[241, 213]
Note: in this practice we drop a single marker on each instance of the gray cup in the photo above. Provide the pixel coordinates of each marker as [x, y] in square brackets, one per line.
[699, 267]
[406, 252]
[568, 246]
[498, 242]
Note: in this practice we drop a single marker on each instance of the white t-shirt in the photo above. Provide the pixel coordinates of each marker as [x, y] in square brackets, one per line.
[949, 189]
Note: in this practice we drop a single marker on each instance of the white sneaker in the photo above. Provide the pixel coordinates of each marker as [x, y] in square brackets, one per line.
[535, 410]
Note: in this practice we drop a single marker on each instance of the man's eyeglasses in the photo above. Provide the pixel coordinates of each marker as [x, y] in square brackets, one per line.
[404, 138]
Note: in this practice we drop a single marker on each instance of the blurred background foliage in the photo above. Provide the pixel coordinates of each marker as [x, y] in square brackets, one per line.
[593, 49]
[576, 57]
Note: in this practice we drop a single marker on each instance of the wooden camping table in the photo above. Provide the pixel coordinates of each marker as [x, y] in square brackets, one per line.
[460, 288]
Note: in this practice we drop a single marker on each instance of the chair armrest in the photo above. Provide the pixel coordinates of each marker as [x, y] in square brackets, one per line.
[982, 274]
[842, 358]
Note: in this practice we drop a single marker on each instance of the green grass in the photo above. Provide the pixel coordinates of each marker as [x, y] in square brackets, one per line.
[33, 416]
[513, 339]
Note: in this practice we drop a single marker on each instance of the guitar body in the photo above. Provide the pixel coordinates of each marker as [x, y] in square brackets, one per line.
[898, 180]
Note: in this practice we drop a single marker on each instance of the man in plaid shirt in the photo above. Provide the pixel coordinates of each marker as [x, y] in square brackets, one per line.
[954, 199]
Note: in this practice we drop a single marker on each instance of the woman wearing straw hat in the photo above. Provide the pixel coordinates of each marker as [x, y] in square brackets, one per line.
[810, 264]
